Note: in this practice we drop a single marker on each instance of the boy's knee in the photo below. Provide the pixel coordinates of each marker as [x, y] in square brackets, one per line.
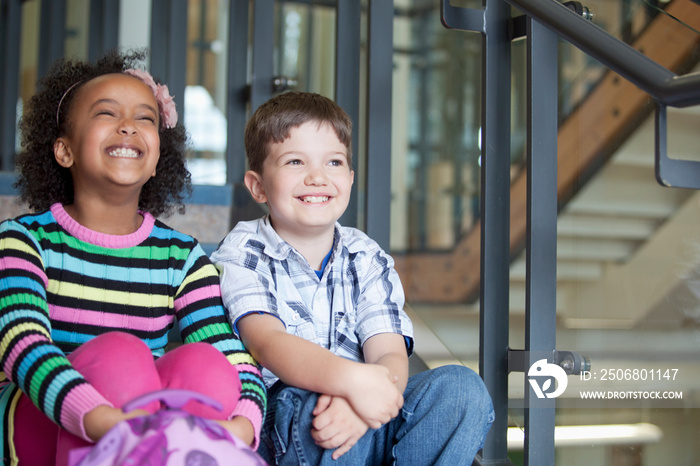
[465, 387]
[454, 375]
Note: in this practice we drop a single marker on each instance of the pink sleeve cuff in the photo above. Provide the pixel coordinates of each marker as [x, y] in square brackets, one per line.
[250, 410]
[80, 401]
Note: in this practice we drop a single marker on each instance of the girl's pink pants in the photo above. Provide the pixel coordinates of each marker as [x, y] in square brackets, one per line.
[121, 367]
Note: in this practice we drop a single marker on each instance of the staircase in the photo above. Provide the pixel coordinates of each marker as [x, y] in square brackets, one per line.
[620, 233]
[615, 228]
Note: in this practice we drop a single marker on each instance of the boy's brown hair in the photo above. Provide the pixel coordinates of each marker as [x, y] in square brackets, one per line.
[274, 119]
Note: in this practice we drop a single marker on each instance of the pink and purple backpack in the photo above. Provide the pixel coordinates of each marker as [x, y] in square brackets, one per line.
[171, 436]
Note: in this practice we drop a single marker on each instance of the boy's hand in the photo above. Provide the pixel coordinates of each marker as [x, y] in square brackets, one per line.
[336, 425]
[374, 395]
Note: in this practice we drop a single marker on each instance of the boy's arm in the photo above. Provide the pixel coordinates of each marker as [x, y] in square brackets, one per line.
[369, 388]
[389, 350]
[336, 425]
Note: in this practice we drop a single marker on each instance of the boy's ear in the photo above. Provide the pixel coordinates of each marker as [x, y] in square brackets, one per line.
[253, 181]
[63, 155]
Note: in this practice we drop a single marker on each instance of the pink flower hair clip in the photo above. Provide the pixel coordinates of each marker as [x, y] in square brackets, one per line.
[168, 112]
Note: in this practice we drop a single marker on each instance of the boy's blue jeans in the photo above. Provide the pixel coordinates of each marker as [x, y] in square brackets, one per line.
[446, 415]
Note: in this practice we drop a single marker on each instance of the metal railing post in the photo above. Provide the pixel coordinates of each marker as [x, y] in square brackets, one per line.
[495, 223]
[541, 255]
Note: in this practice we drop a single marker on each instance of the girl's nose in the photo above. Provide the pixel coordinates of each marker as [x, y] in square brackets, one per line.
[127, 126]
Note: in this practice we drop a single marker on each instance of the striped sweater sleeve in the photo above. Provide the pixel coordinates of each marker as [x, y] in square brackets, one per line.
[201, 317]
[28, 356]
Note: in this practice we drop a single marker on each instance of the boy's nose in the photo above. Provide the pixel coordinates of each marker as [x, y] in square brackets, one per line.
[316, 177]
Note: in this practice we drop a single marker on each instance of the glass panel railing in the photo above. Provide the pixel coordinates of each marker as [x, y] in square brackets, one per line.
[436, 201]
[625, 271]
[627, 262]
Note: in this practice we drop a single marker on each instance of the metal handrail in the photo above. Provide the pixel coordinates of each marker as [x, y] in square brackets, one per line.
[663, 85]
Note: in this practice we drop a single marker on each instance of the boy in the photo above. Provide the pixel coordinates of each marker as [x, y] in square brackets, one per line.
[320, 306]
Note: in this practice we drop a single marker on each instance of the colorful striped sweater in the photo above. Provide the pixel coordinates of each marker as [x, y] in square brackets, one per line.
[62, 284]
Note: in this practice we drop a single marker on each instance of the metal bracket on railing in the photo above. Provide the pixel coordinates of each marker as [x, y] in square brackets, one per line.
[670, 172]
[572, 362]
[464, 19]
[580, 9]
[519, 23]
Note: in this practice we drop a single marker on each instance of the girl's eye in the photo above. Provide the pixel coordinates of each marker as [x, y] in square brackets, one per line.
[294, 162]
[105, 112]
[336, 163]
[152, 119]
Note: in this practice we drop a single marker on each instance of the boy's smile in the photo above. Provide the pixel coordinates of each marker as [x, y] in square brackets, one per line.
[306, 182]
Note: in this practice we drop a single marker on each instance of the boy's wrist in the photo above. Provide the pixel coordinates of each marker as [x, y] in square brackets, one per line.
[351, 378]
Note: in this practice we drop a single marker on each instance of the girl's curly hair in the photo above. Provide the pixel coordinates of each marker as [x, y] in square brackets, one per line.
[41, 181]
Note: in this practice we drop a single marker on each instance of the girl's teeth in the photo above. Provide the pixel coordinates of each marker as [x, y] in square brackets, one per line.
[124, 152]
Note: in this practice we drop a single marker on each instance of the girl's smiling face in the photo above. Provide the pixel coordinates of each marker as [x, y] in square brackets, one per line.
[112, 145]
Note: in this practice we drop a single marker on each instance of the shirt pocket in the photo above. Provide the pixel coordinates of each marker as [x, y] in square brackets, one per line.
[297, 324]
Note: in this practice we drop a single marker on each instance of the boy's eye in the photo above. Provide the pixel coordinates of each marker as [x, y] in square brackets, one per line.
[294, 162]
[336, 163]
[105, 112]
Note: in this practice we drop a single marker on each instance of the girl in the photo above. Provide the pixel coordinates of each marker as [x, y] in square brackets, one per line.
[91, 284]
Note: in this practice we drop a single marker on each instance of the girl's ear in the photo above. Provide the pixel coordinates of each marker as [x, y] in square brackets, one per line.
[63, 155]
[253, 181]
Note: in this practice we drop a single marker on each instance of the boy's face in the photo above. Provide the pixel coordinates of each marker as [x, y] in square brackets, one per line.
[306, 181]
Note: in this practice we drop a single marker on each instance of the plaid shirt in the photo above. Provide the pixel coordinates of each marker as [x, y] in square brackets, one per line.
[358, 296]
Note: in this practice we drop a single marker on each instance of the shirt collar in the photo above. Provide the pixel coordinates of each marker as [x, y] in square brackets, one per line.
[278, 249]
